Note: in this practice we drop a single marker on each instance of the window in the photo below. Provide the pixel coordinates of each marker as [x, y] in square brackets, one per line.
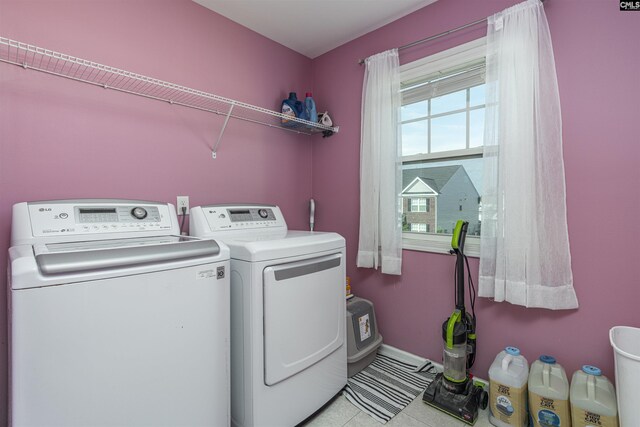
[418, 205]
[419, 228]
[442, 127]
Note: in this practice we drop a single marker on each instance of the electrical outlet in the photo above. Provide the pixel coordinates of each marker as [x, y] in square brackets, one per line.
[183, 202]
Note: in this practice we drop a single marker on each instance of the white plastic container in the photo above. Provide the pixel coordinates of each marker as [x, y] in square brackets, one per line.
[593, 399]
[508, 376]
[548, 394]
[625, 341]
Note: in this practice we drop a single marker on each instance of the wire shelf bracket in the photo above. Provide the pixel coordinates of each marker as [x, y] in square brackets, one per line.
[62, 65]
[214, 152]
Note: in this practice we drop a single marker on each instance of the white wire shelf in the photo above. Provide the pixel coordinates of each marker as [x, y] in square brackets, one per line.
[82, 70]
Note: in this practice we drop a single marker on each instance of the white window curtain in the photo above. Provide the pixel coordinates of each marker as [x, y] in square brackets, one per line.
[380, 241]
[524, 249]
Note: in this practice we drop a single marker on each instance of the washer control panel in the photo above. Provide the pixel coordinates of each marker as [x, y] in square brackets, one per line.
[56, 218]
[225, 217]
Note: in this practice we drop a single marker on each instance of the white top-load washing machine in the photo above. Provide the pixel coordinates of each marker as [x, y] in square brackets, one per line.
[116, 319]
[288, 350]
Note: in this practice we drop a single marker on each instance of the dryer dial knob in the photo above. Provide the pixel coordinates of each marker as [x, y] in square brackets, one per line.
[263, 213]
[139, 213]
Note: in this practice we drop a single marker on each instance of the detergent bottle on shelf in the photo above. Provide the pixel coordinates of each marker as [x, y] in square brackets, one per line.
[548, 394]
[292, 107]
[508, 376]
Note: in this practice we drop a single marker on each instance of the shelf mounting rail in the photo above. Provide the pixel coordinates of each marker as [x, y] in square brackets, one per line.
[82, 70]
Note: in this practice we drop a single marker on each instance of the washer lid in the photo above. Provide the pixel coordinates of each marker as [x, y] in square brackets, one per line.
[263, 247]
[58, 263]
[69, 258]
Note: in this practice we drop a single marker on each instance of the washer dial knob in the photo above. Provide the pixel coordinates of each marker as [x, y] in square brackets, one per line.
[263, 213]
[139, 213]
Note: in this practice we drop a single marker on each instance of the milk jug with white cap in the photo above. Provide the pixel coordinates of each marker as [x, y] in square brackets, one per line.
[508, 376]
[593, 399]
[548, 394]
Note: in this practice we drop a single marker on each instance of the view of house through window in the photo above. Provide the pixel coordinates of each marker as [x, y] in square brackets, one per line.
[442, 122]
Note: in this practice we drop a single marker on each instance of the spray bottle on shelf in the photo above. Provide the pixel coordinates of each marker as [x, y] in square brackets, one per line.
[310, 108]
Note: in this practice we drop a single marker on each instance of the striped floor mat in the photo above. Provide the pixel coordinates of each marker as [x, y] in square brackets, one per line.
[387, 386]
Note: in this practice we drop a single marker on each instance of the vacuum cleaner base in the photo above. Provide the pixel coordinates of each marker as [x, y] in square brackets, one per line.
[463, 406]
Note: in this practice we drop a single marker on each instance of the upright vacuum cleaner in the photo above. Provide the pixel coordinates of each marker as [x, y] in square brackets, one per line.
[453, 391]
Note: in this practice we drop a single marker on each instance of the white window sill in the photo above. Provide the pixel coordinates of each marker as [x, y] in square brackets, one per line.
[438, 243]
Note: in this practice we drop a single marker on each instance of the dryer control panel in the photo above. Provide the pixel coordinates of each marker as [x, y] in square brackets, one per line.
[241, 217]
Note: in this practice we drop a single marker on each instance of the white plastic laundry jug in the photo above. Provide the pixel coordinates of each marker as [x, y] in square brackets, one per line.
[548, 394]
[593, 399]
[508, 376]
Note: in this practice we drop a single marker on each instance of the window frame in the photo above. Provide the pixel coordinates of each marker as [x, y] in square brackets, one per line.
[474, 50]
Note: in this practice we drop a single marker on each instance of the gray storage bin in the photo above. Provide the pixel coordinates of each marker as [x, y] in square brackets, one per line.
[363, 338]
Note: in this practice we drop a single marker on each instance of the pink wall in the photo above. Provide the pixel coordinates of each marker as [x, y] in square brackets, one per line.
[63, 139]
[597, 68]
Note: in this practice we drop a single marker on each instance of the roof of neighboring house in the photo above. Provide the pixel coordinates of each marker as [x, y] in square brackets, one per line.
[436, 177]
[420, 187]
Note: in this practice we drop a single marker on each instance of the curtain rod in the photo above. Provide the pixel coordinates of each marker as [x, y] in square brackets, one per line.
[437, 36]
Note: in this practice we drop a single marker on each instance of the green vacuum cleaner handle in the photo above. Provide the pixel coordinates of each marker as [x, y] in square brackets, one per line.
[455, 317]
[459, 234]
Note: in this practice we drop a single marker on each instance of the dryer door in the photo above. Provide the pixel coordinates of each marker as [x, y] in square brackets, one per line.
[304, 314]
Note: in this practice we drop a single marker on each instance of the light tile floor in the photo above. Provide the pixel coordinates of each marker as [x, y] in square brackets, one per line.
[341, 413]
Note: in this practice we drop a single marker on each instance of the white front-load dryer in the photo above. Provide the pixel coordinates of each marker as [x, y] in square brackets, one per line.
[288, 350]
[115, 319]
